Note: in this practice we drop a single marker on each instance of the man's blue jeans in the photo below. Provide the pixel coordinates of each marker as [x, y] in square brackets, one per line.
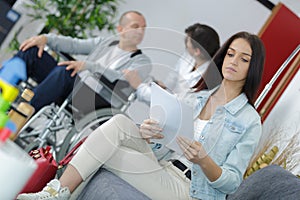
[54, 82]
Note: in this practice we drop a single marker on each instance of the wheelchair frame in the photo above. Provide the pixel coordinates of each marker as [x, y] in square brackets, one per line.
[58, 118]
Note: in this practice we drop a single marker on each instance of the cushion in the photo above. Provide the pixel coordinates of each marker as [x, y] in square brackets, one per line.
[269, 183]
[106, 185]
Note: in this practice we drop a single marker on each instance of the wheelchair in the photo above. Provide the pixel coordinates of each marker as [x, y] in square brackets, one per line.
[61, 127]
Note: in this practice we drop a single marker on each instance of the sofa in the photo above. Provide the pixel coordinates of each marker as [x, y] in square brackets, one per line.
[270, 183]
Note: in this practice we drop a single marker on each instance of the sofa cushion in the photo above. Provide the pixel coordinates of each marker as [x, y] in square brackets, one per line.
[269, 183]
[106, 185]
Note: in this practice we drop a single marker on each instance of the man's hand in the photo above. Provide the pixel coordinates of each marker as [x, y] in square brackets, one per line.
[40, 41]
[150, 129]
[192, 150]
[76, 66]
[133, 77]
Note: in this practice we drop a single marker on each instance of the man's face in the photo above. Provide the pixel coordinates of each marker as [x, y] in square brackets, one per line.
[132, 28]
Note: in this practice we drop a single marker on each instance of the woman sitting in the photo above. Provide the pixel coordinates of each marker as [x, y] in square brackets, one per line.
[227, 131]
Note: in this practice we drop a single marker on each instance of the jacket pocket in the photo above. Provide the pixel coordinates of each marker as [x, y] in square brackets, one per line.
[232, 133]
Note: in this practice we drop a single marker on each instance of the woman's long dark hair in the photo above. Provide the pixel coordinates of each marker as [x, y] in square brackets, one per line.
[255, 71]
[205, 38]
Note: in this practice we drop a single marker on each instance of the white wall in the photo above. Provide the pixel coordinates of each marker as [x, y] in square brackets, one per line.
[227, 17]
[293, 5]
[283, 121]
[167, 20]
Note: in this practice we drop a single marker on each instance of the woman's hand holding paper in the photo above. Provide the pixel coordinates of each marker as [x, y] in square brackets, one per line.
[150, 129]
[192, 149]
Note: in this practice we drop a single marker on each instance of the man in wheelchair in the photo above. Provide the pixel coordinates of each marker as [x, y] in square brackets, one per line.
[106, 56]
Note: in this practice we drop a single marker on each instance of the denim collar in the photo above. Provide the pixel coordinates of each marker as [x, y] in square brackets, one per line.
[232, 107]
[236, 104]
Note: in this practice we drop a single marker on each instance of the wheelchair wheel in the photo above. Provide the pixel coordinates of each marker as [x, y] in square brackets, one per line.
[44, 127]
[83, 128]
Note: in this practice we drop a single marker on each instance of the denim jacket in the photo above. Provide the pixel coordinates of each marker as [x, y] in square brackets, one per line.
[230, 138]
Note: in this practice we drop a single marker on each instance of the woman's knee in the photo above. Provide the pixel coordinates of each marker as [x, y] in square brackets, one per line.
[122, 119]
[125, 125]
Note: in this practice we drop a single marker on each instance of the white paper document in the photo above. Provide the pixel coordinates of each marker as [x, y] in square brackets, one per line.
[173, 115]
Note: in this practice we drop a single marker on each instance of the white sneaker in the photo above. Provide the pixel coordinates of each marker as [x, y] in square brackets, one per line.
[52, 191]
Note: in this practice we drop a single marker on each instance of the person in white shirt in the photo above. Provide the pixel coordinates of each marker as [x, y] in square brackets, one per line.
[201, 42]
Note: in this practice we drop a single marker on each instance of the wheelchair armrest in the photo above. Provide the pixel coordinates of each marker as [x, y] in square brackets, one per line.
[65, 56]
[121, 84]
[115, 86]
